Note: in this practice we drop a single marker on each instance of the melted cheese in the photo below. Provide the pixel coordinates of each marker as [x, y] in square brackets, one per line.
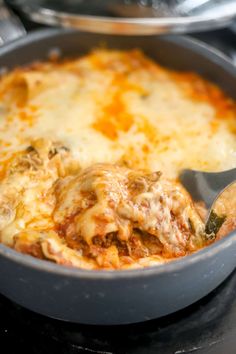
[126, 105]
[107, 107]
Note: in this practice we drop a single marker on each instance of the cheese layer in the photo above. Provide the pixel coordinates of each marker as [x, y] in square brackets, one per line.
[117, 108]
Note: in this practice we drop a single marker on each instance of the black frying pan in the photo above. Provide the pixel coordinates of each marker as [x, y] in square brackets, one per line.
[118, 297]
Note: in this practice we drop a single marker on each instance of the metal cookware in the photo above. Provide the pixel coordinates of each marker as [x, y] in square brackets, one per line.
[117, 297]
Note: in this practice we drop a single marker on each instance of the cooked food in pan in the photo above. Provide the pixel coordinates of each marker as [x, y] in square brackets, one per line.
[90, 153]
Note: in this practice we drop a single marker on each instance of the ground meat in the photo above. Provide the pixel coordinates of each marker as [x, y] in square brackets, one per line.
[152, 243]
[136, 213]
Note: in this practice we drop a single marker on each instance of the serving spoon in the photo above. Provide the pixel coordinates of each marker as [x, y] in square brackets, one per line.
[216, 190]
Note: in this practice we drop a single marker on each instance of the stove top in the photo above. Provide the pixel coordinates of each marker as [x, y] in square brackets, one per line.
[207, 327]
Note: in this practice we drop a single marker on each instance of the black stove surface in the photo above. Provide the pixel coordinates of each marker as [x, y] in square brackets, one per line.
[207, 327]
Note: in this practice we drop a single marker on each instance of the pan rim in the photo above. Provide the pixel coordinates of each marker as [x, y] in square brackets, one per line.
[200, 47]
[171, 267]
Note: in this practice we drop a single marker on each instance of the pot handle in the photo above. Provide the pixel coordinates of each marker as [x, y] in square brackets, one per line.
[10, 25]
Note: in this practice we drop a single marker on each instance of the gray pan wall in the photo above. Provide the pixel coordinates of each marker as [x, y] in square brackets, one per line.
[120, 297]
